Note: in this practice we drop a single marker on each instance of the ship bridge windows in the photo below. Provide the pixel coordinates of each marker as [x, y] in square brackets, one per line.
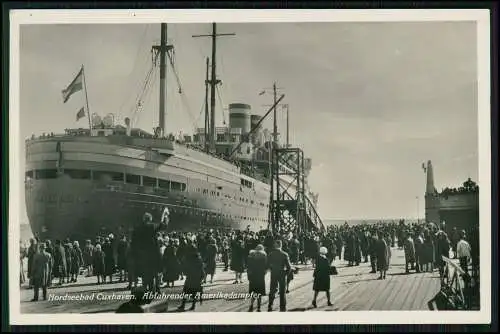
[148, 181]
[42, 174]
[133, 179]
[80, 174]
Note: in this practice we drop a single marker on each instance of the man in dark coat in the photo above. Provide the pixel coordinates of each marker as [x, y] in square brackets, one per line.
[372, 251]
[225, 253]
[363, 241]
[294, 250]
[418, 240]
[41, 268]
[69, 259]
[122, 257]
[144, 249]
[32, 250]
[455, 238]
[280, 266]
[49, 248]
[256, 273]
[339, 244]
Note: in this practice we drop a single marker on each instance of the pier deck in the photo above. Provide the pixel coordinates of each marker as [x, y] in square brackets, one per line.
[353, 289]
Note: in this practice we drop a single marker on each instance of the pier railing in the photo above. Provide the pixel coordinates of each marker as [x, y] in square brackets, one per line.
[458, 290]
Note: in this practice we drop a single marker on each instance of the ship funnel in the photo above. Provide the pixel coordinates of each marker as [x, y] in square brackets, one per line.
[239, 117]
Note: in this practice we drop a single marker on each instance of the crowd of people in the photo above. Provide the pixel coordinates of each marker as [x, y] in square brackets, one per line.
[160, 257]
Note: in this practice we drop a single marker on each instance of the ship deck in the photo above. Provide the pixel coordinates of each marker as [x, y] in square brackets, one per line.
[353, 289]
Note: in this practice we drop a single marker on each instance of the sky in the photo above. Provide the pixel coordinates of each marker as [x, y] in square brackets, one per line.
[369, 102]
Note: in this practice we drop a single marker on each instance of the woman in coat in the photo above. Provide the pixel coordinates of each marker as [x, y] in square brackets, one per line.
[322, 276]
[237, 259]
[211, 251]
[109, 259]
[60, 262]
[383, 256]
[99, 264]
[409, 249]
[428, 253]
[77, 261]
[87, 257]
[171, 263]
[194, 276]
[443, 249]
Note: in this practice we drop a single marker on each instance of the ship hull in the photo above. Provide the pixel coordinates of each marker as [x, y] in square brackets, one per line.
[65, 208]
[79, 187]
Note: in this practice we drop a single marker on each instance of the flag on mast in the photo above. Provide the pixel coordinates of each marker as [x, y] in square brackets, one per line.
[80, 114]
[75, 86]
[262, 93]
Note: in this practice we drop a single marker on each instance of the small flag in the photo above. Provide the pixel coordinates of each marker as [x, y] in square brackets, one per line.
[80, 114]
[75, 86]
[262, 93]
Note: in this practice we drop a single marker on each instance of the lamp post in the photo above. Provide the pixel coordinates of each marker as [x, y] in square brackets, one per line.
[418, 209]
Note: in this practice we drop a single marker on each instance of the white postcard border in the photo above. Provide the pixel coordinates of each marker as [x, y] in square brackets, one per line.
[482, 17]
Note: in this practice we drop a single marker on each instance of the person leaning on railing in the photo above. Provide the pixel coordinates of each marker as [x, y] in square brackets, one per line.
[463, 252]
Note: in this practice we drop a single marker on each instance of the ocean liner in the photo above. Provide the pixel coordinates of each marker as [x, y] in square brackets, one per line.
[103, 179]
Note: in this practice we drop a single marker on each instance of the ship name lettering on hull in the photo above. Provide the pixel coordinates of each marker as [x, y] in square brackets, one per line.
[58, 198]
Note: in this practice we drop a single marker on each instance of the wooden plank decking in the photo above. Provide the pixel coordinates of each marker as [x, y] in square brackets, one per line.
[354, 289]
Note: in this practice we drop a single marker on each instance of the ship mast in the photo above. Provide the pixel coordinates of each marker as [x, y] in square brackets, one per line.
[163, 49]
[207, 121]
[213, 81]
